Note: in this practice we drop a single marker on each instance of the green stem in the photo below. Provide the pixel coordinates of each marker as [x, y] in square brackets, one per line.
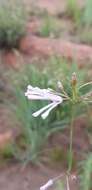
[74, 93]
[70, 162]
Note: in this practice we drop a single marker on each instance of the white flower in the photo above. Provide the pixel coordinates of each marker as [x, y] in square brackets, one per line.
[35, 93]
[47, 185]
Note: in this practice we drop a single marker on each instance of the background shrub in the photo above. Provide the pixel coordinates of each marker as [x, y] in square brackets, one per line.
[12, 23]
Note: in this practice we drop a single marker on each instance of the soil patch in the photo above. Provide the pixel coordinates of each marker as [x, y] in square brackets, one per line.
[31, 178]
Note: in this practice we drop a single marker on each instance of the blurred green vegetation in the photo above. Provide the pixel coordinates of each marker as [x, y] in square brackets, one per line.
[86, 173]
[13, 19]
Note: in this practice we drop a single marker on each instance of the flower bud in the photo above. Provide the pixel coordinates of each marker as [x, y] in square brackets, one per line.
[74, 79]
[60, 86]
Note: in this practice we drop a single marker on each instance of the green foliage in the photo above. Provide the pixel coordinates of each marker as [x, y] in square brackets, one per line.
[34, 129]
[12, 23]
[87, 16]
[6, 152]
[58, 155]
[35, 10]
[86, 177]
[60, 185]
[73, 10]
[48, 27]
[86, 36]
[61, 70]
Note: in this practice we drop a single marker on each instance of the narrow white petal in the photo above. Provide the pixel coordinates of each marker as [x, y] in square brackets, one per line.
[35, 97]
[37, 113]
[42, 94]
[45, 114]
[50, 97]
[35, 93]
[47, 185]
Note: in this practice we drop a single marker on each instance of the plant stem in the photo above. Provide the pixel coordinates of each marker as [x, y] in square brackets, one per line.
[70, 162]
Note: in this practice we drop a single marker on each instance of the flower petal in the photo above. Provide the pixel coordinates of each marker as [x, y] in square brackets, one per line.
[42, 94]
[47, 185]
[35, 93]
[45, 114]
[35, 97]
[37, 113]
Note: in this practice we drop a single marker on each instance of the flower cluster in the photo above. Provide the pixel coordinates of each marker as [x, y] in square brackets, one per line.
[35, 93]
[55, 98]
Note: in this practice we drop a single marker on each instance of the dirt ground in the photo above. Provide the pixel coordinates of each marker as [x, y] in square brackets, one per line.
[31, 178]
[13, 178]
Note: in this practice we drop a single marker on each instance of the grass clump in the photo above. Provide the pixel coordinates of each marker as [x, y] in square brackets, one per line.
[7, 152]
[12, 23]
[33, 129]
[85, 27]
[74, 11]
[49, 26]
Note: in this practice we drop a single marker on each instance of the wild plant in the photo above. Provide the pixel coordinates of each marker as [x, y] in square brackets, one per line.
[75, 99]
[34, 129]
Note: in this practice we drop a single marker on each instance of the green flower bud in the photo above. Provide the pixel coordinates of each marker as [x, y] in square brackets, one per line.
[74, 79]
